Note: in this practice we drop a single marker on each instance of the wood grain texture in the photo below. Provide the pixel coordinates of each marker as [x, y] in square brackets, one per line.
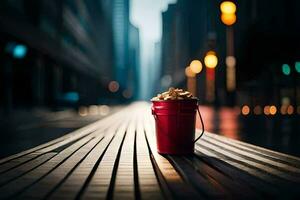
[116, 158]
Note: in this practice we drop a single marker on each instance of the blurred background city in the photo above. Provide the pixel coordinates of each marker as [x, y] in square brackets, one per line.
[67, 63]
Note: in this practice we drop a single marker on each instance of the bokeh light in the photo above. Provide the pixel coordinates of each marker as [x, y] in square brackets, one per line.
[127, 94]
[297, 67]
[103, 110]
[93, 110]
[286, 70]
[113, 86]
[228, 19]
[290, 109]
[230, 61]
[273, 110]
[20, 51]
[211, 60]
[189, 73]
[228, 7]
[245, 110]
[267, 110]
[283, 109]
[82, 111]
[196, 66]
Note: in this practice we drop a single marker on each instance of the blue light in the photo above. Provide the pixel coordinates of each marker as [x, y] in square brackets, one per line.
[71, 96]
[19, 51]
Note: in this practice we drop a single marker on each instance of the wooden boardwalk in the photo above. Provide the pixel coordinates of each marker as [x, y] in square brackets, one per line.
[116, 158]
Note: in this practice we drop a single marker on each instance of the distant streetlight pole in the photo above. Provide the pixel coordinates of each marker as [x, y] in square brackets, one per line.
[191, 72]
[228, 17]
[210, 61]
[191, 80]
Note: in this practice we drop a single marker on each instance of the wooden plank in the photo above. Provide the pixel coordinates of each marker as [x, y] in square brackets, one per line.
[275, 156]
[148, 184]
[23, 169]
[236, 189]
[240, 156]
[117, 159]
[238, 173]
[178, 187]
[256, 158]
[243, 165]
[71, 187]
[124, 185]
[23, 153]
[46, 185]
[293, 160]
[30, 178]
[207, 186]
[99, 184]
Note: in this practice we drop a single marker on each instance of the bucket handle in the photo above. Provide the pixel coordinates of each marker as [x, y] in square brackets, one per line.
[202, 124]
[201, 120]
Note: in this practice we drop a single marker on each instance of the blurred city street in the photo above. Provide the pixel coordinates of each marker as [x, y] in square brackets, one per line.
[27, 129]
[279, 132]
[81, 77]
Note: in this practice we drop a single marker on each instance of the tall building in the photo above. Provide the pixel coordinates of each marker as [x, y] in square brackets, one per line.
[54, 53]
[120, 14]
[265, 38]
[187, 35]
[133, 85]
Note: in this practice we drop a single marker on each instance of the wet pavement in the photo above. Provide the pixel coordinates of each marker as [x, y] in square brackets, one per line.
[25, 129]
[277, 132]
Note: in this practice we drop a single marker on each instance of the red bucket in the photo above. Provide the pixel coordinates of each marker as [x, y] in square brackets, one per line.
[175, 125]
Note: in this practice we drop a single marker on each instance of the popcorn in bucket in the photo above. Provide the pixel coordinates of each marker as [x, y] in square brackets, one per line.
[175, 116]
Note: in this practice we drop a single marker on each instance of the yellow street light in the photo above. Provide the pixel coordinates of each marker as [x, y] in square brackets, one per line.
[228, 7]
[196, 66]
[228, 10]
[211, 60]
[228, 19]
[189, 73]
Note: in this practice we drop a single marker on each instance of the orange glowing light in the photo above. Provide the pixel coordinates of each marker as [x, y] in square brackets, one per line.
[267, 110]
[189, 73]
[196, 66]
[290, 110]
[273, 110]
[211, 60]
[228, 7]
[228, 19]
[245, 110]
[113, 86]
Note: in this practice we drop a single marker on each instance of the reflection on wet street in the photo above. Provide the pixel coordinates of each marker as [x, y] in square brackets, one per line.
[26, 129]
[278, 132]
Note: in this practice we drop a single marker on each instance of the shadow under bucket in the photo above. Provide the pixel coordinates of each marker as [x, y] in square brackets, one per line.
[175, 125]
